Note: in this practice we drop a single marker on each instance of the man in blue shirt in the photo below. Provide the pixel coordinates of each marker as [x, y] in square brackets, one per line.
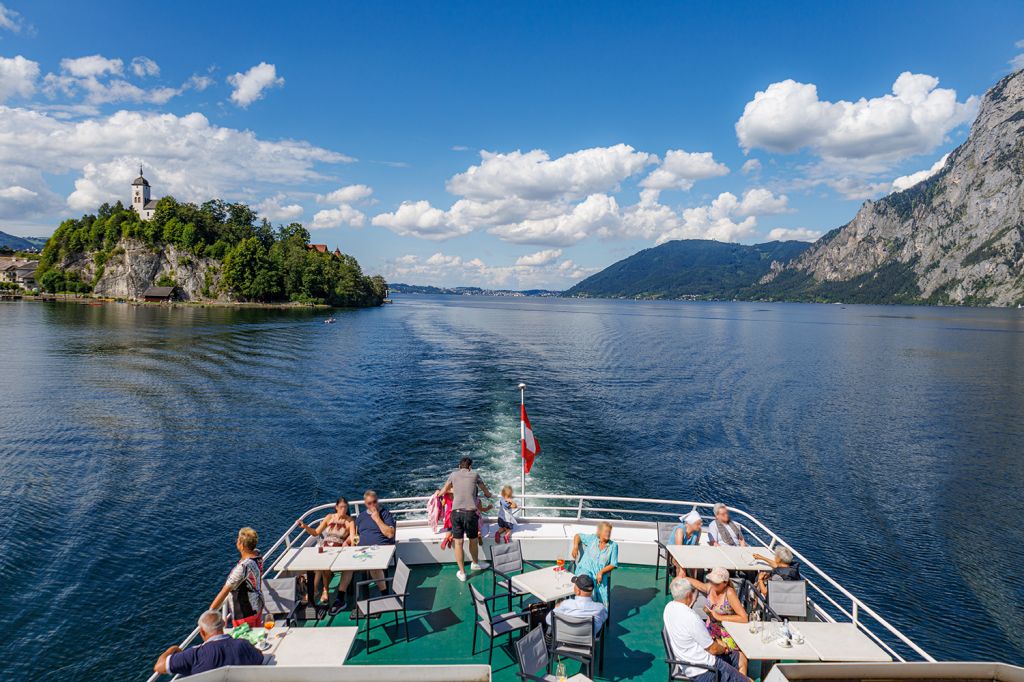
[216, 651]
[583, 603]
[374, 526]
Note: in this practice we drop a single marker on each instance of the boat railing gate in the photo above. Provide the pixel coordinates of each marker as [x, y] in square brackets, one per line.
[597, 507]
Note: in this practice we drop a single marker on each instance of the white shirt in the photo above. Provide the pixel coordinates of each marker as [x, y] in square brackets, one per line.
[689, 637]
[713, 533]
[583, 606]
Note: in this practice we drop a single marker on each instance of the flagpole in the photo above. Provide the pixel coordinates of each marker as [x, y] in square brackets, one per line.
[522, 442]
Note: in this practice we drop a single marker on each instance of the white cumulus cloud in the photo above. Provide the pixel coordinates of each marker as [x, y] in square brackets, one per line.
[875, 132]
[92, 66]
[540, 257]
[907, 181]
[534, 175]
[17, 77]
[441, 269]
[11, 20]
[275, 209]
[680, 169]
[349, 194]
[420, 219]
[250, 85]
[337, 217]
[785, 234]
[144, 66]
[751, 166]
[596, 213]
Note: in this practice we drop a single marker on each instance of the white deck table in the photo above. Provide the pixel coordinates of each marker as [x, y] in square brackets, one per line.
[826, 642]
[369, 558]
[311, 558]
[317, 646]
[699, 556]
[751, 644]
[707, 557]
[546, 584]
[742, 558]
[841, 643]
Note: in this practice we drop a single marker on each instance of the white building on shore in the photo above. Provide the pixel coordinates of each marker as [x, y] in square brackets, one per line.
[141, 203]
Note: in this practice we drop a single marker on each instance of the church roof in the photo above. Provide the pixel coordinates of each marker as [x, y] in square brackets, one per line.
[140, 181]
[151, 204]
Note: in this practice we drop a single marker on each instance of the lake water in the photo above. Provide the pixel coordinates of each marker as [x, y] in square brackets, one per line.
[884, 442]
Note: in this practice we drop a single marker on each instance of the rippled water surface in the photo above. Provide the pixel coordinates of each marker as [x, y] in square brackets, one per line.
[884, 442]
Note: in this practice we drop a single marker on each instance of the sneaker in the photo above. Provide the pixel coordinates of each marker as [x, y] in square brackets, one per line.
[475, 567]
[337, 607]
[461, 575]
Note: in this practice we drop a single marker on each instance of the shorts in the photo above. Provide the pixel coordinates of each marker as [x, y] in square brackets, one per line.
[254, 621]
[465, 524]
[504, 525]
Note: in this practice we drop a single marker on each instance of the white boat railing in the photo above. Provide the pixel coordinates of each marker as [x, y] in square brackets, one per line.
[596, 507]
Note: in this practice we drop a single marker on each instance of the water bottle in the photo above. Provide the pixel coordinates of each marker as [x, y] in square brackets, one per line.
[787, 634]
[560, 672]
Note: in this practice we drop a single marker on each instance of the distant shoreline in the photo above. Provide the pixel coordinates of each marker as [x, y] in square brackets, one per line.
[90, 300]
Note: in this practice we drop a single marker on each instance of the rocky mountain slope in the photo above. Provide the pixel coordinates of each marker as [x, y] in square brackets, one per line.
[688, 268]
[955, 238]
[134, 266]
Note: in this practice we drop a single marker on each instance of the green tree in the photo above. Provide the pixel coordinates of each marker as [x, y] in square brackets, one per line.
[249, 272]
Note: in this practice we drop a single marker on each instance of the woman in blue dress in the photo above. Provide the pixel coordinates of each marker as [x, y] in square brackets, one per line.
[597, 555]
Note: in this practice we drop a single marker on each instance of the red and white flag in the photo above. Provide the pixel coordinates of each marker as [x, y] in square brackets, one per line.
[531, 446]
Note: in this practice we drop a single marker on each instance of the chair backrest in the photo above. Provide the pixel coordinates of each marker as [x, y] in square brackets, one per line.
[566, 629]
[532, 652]
[666, 532]
[401, 582]
[280, 594]
[508, 558]
[699, 604]
[482, 612]
[673, 670]
[788, 598]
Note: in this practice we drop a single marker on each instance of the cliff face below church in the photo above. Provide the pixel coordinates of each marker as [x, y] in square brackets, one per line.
[133, 266]
[954, 238]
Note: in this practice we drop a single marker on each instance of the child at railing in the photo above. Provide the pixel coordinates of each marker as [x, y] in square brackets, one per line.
[448, 539]
[506, 518]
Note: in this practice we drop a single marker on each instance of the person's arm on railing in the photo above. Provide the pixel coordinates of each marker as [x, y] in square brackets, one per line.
[160, 667]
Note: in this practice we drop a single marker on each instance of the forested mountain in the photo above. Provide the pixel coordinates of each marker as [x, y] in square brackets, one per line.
[15, 243]
[213, 250]
[688, 268]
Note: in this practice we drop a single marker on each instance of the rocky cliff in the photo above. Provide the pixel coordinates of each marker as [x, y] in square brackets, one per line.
[133, 267]
[957, 237]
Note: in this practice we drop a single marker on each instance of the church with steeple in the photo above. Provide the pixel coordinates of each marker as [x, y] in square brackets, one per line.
[141, 203]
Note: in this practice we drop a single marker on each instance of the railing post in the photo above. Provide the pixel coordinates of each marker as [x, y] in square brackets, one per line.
[579, 510]
[853, 612]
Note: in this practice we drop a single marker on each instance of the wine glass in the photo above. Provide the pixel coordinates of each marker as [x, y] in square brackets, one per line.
[755, 618]
[560, 563]
[268, 622]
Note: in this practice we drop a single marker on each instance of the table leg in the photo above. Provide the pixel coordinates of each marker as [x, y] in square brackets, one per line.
[311, 610]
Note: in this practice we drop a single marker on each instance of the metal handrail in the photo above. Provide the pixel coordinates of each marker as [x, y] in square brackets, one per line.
[579, 507]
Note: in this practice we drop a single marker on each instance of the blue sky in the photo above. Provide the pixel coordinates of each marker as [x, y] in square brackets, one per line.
[604, 127]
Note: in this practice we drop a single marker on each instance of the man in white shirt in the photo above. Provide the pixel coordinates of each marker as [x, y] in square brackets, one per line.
[724, 531]
[691, 643]
[583, 603]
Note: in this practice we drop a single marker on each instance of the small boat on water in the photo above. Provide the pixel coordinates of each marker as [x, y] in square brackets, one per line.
[429, 621]
[330, 320]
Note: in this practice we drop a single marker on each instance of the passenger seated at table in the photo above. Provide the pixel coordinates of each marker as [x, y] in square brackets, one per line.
[374, 526]
[723, 530]
[783, 568]
[598, 558]
[724, 606]
[216, 651]
[336, 530]
[688, 532]
[583, 604]
[691, 642]
[245, 582]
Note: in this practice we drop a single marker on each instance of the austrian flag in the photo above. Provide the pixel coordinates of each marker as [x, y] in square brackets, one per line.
[531, 446]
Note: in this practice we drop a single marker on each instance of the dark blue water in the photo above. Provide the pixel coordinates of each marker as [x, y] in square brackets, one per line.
[885, 442]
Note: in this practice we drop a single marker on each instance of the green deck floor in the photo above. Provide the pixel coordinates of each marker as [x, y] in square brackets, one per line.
[441, 622]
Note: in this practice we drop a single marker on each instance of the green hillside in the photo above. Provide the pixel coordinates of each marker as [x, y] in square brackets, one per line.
[698, 268]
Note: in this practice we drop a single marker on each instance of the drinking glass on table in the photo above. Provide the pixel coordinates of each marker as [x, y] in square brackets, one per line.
[268, 622]
[755, 620]
[560, 563]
